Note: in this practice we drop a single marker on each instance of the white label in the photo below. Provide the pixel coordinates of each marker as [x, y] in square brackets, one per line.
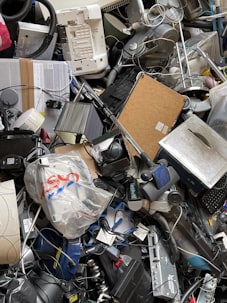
[171, 284]
[27, 224]
[165, 129]
[105, 237]
[161, 127]
[141, 232]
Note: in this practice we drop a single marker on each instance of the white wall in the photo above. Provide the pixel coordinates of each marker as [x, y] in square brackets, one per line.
[59, 4]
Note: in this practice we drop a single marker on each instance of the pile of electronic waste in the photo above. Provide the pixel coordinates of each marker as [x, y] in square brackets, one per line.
[109, 207]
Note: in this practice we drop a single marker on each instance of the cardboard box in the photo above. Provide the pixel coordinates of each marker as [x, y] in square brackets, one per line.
[84, 155]
[149, 114]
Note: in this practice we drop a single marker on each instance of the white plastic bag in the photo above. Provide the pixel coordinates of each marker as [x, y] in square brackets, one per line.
[62, 184]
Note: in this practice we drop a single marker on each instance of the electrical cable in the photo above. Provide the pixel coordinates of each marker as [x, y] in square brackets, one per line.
[26, 239]
[213, 16]
[23, 13]
[161, 285]
[54, 246]
[5, 283]
[174, 252]
[205, 259]
[138, 63]
[52, 28]
[58, 265]
[35, 153]
[111, 36]
[147, 20]
[49, 242]
[191, 290]
[19, 15]
[206, 25]
[178, 219]
[24, 86]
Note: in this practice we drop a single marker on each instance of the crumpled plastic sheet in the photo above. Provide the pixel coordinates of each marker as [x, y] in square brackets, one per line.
[63, 185]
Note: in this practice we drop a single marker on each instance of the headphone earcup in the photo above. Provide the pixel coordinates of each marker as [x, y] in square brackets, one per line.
[113, 153]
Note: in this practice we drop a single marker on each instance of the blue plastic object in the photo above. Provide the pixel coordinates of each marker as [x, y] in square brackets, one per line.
[62, 262]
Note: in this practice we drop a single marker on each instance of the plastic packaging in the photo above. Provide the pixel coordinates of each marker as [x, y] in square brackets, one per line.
[63, 185]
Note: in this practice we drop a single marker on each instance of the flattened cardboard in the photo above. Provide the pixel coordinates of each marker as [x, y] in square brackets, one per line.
[149, 113]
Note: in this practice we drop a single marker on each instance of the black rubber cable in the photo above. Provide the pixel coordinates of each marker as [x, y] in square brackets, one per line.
[19, 15]
[23, 13]
[48, 38]
[190, 291]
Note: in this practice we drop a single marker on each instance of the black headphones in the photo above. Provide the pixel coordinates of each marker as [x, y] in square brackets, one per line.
[114, 152]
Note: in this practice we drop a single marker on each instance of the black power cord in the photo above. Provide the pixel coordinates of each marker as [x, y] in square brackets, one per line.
[10, 17]
[52, 27]
[191, 290]
[14, 17]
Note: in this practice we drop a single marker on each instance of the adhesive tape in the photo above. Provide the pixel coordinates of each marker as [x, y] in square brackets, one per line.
[29, 120]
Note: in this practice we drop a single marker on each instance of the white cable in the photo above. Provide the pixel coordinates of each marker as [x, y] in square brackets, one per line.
[64, 87]
[113, 37]
[57, 248]
[147, 21]
[102, 297]
[178, 219]
[26, 239]
[134, 57]
[49, 242]
[211, 17]
[193, 254]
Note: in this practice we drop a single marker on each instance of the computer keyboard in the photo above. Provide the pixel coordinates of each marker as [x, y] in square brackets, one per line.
[214, 198]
